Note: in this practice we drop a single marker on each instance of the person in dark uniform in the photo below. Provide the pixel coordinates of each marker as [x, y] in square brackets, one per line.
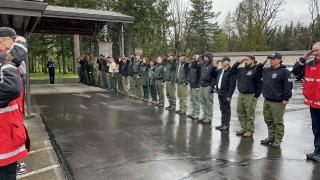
[51, 68]
[276, 89]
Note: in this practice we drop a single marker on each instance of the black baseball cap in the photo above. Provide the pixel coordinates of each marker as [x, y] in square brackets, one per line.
[7, 32]
[275, 56]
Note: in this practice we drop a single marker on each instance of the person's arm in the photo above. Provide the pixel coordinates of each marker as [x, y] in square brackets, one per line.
[10, 84]
[287, 84]
[259, 70]
[214, 76]
[257, 87]
[234, 68]
[162, 71]
[232, 85]
[187, 71]
[299, 67]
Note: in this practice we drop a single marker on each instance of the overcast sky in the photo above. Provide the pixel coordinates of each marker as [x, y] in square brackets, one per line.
[293, 10]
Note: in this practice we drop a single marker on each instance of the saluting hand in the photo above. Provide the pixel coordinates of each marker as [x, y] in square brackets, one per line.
[265, 61]
[308, 55]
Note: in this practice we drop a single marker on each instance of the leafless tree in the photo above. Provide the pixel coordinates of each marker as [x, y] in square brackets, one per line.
[257, 17]
[314, 12]
[178, 20]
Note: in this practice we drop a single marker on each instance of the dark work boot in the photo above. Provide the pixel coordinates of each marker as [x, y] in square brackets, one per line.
[267, 140]
[207, 122]
[183, 113]
[218, 127]
[310, 155]
[316, 158]
[276, 144]
[224, 128]
[189, 116]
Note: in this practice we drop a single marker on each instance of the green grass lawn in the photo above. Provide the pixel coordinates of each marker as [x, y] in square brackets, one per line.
[43, 76]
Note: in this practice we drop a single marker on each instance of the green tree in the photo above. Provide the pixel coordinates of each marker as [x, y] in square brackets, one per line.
[203, 29]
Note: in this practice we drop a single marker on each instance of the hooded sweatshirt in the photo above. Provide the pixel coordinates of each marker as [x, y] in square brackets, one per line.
[276, 83]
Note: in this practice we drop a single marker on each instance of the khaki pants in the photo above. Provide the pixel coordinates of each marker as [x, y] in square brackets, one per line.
[125, 84]
[195, 102]
[206, 99]
[246, 107]
[171, 93]
[273, 113]
[160, 91]
[182, 96]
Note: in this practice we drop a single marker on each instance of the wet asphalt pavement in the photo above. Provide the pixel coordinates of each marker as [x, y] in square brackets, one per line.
[107, 136]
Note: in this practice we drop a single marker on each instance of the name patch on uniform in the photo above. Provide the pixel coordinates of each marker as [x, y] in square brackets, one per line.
[274, 75]
[249, 73]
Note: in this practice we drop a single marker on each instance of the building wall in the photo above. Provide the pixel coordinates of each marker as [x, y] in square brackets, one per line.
[289, 59]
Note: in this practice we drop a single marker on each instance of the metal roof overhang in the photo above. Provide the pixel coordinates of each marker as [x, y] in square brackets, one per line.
[32, 16]
[67, 20]
[23, 16]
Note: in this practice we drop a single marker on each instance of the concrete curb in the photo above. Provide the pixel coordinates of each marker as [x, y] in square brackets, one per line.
[42, 162]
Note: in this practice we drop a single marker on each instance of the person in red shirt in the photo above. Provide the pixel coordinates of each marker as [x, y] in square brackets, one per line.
[309, 66]
[13, 135]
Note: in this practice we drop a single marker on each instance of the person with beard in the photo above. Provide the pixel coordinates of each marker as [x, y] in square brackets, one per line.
[276, 89]
[249, 87]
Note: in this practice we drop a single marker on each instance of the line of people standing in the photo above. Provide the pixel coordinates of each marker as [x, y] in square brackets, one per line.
[146, 80]
[200, 78]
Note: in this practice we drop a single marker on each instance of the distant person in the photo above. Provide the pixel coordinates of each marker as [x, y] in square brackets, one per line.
[309, 66]
[208, 75]
[144, 78]
[90, 69]
[119, 74]
[159, 70]
[194, 90]
[113, 70]
[125, 74]
[170, 77]
[182, 80]
[51, 68]
[152, 84]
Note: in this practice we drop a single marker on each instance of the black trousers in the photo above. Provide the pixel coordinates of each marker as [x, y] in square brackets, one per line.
[315, 116]
[225, 109]
[51, 75]
[8, 172]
